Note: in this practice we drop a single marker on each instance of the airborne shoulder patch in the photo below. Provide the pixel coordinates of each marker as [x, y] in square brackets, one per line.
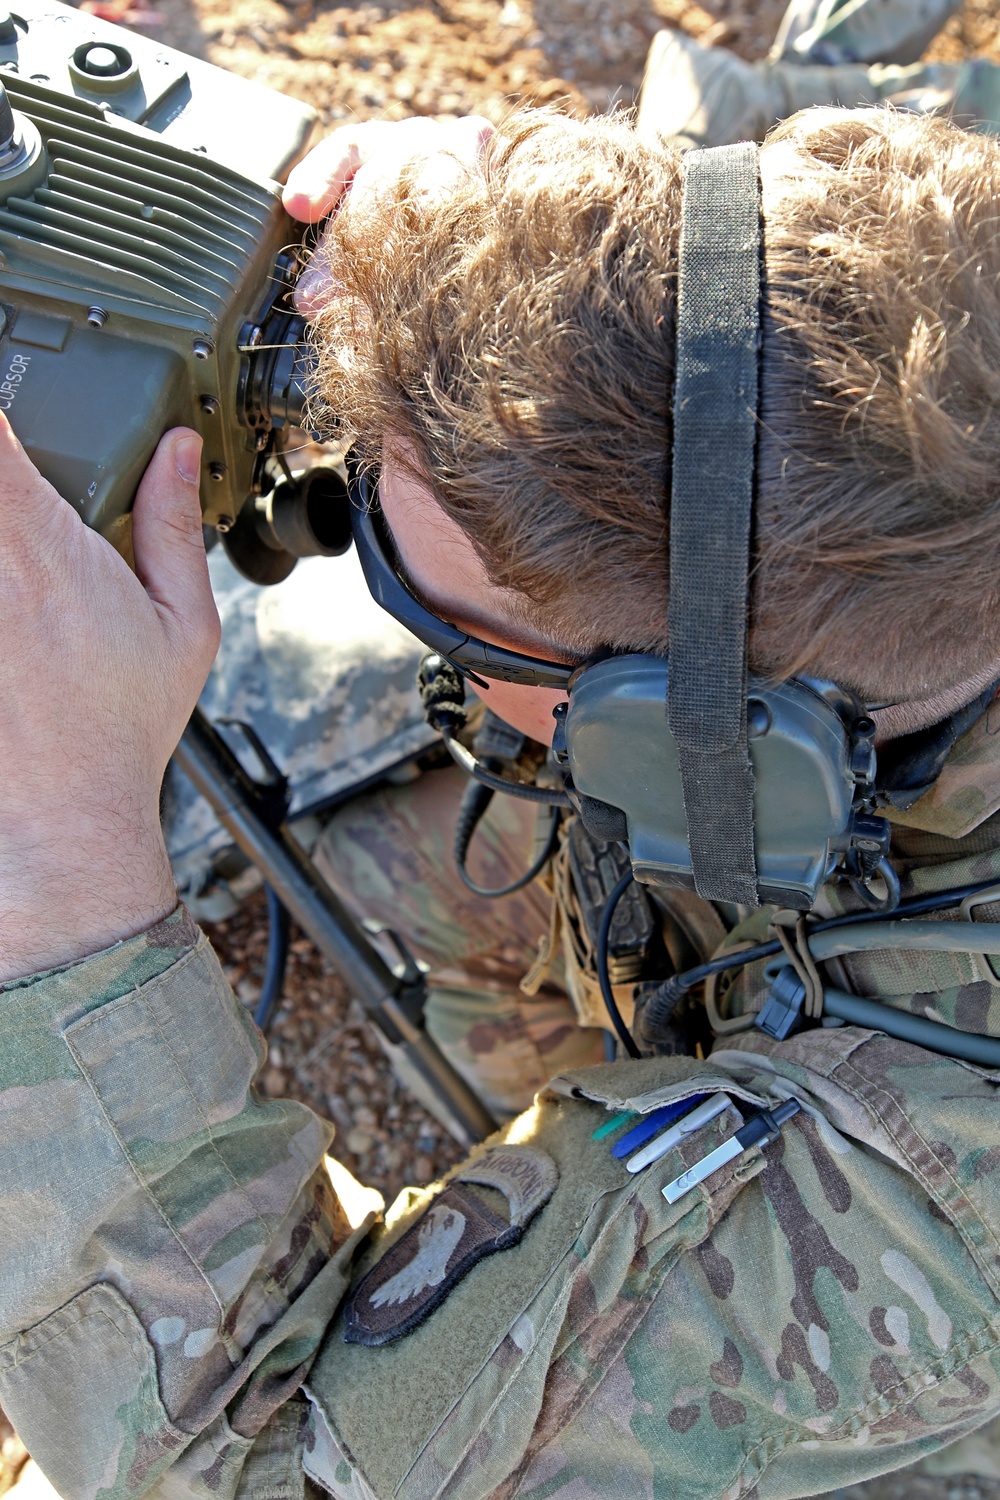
[455, 1231]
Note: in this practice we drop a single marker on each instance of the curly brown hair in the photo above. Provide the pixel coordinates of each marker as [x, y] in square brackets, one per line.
[517, 342]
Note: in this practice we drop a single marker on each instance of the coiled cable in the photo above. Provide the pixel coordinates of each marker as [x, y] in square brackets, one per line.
[475, 801]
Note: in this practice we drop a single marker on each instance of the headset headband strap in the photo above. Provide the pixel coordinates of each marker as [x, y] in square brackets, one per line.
[711, 504]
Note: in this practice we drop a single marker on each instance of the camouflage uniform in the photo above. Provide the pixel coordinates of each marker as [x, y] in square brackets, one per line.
[841, 52]
[388, 854]
[174, 1255]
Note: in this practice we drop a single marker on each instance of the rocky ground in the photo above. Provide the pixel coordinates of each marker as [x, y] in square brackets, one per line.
[323, 1052]
[388, 60]
[397, 58]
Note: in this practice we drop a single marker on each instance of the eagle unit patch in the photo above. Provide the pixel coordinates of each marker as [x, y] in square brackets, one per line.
[455, 1231]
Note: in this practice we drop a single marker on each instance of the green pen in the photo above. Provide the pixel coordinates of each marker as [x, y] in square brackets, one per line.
[615, 1123]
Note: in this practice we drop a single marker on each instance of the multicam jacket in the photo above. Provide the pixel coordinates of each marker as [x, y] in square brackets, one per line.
[177, 1273]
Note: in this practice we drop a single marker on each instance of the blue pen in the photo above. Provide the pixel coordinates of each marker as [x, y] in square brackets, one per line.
[689, 1124]
[651, 1124]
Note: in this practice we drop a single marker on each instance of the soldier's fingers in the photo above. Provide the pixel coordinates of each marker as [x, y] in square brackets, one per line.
[469, 136]
[372, 171]
[317, 184]
[432, 160]
[170, 560]
[29, 506]
[437, 153]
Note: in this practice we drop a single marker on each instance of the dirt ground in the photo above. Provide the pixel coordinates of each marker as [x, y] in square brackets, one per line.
[404, 57]
[388, 60]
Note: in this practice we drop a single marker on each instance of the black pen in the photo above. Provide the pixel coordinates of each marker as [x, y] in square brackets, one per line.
[759, 1131]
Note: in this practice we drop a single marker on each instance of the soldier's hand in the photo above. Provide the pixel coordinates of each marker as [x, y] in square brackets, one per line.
[100, 670]
[353, 165]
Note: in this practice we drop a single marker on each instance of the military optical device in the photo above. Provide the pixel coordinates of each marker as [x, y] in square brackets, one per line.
[146, 266]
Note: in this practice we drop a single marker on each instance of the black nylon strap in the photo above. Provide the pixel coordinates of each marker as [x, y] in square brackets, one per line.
[715, 431]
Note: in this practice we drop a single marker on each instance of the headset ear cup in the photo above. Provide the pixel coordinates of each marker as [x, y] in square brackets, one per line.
[624, 766]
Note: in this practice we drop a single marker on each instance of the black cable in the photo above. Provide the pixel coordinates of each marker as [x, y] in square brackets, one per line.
[604, 978]
[679, 984]
[472, 767]
[912, 908]
[884, 904]
[919, 1030]
[278, 932]
[471, 813]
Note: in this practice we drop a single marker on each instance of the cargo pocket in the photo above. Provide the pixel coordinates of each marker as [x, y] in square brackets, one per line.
[450, 1408]
[81, 1388]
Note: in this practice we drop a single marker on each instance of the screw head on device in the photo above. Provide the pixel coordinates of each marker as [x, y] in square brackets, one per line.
[209, 405]
[217, 471]
[203, 348]
[96, 317]
[225, 523]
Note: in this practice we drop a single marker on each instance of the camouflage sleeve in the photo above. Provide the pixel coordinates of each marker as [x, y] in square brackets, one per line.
[172, 1248]
[809, 1316]
[544, 1324]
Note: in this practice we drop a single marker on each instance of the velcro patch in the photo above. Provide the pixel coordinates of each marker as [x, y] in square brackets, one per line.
[455, 1231]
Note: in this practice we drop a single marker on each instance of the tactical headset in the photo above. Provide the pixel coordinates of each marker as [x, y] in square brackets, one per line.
[747, 791]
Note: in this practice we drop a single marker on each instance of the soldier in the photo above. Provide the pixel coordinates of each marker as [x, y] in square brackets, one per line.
[175, 1258]
[502, 1003]
[846, 52]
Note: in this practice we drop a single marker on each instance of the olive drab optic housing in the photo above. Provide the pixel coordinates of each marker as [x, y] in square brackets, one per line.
[145, 272]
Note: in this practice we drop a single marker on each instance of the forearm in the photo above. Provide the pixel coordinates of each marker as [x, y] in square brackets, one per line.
[165, 1267]
[55, 911]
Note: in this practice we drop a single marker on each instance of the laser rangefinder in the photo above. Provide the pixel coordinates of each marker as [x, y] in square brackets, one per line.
[146, 267]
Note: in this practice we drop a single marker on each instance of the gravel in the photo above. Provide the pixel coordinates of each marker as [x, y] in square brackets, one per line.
[321, 1050]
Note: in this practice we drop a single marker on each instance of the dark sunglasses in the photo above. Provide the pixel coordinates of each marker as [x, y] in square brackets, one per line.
[472, 657]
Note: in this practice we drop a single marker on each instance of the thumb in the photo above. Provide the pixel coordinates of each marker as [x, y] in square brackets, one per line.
[167, 540]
